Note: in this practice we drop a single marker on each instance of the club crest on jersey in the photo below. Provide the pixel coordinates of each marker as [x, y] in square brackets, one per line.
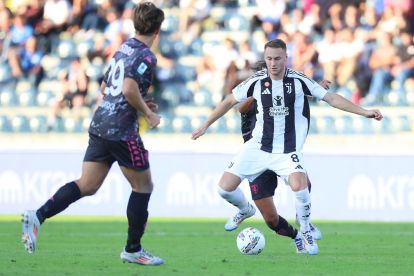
[142, 68]
[288, 87]
[266, 92]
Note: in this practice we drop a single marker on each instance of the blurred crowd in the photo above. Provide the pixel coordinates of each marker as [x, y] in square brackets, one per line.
[365, 48]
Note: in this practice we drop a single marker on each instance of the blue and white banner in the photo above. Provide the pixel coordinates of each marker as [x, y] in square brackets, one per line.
[344, 187]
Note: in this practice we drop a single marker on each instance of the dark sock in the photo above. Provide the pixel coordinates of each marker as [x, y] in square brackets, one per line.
[137, 213]
[309, 186]
[285, 229]
[66, 195]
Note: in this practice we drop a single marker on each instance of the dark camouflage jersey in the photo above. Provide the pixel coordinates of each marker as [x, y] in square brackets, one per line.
[115, 119]
[248, 121]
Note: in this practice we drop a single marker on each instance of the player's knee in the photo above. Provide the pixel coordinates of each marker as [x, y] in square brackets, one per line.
[87, 188]
[271, 219]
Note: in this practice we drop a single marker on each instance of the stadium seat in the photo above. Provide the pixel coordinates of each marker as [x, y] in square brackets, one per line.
[27, 98]
[233, 124]
[38, 124]
[219, 126]
[66, 49]
[196, 47]
[83, 47]
[165, 125]
[383, 126]
[181, 124]
[203, 98]
[95, 70]
[5, 73]
[236, 22]
[361, 125]
[400, 124]
[170, 24]
[85, 123]
[72, 125]
[325, 125]
[8, 97]
[20, 123]
[410, 98]
[344, 125]
[197, 121]
[4, 124]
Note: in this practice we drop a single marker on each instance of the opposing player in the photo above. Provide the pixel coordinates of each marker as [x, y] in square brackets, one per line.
[113, 136]
[280, 131]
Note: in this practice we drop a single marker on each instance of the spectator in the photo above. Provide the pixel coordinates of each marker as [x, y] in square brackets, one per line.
[20, 31]
[26, 62]
[32, 12]
[74, 87]
[5, 26]
[267, 17]
[382, 60]
[404, 66]
[193, 15]
[55, 19]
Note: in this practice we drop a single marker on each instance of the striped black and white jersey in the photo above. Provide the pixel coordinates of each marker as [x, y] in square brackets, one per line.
[282, 119]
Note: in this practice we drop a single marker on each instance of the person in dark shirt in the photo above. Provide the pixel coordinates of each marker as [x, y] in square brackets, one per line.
[114, 136]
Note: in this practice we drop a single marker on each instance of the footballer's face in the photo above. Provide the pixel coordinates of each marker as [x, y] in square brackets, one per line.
[276, 60]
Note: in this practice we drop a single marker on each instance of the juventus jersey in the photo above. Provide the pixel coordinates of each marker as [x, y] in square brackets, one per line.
[282, 119]
[115, 119]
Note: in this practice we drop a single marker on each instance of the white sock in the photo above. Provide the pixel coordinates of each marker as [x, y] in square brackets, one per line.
[235, 198]
[303, 209]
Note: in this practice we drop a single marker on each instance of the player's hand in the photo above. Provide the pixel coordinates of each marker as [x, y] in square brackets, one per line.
[374, 114]
[151, 104]
[198, 133]
[325, 84]
[153, 119]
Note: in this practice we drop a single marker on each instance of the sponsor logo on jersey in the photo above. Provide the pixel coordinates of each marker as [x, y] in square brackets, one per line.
[266, 92]
[277, 101]
[142, 68]
[278, 109]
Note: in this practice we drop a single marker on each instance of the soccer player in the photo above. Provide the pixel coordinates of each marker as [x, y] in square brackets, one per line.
[263, 187]
[114, 136]
[280, 131]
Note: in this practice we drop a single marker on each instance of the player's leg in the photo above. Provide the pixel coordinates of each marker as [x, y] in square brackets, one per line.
[229, 190]
[263, 190]
[133, 160]
[245, 163]
[299, 184]
[316, 233]
[93, 174]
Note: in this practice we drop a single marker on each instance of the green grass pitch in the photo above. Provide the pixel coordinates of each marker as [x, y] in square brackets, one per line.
[91, 246]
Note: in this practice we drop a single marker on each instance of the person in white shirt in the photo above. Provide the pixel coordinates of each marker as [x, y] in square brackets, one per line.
[279, 134]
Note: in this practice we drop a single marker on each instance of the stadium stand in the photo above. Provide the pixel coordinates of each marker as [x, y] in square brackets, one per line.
[194, 65]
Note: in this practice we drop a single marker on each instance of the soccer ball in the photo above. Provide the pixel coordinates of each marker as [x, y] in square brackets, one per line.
[250, 241]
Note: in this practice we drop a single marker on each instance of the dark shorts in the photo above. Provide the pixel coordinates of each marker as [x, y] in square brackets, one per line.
[264, 185]
[130, 154]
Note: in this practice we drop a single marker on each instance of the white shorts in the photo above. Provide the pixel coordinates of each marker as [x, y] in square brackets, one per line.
[250, 162]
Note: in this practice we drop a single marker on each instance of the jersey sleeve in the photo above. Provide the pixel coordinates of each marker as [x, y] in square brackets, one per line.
[245, 89]
[312, 88]
[142, 71]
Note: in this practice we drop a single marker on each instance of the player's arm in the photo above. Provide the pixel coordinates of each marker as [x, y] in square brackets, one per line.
[131, 92]
[341, 103]
[221, 109]
[246, 105]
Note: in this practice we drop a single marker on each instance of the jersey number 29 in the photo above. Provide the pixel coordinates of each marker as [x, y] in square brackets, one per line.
[115, 77]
